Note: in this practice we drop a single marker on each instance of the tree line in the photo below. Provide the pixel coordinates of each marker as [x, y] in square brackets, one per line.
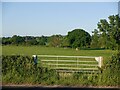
[107, 35]
[74, 39]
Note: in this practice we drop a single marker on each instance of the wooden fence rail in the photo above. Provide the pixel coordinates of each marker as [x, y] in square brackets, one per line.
[69, 63]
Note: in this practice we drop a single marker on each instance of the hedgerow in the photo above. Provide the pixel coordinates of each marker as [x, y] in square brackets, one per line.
[19, 69]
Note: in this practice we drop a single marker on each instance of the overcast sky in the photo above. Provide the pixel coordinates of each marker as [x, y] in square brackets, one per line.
[48, 18]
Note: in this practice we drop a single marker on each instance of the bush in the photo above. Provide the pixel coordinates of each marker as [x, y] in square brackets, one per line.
[110, 75]
[21, 69]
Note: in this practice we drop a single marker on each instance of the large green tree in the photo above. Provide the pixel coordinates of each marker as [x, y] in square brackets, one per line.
[79, 38]
[109, 32]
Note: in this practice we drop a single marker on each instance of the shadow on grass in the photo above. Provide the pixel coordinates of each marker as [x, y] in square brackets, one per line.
[93, 49]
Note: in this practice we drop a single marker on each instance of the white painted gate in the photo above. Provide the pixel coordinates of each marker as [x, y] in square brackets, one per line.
[71, 63]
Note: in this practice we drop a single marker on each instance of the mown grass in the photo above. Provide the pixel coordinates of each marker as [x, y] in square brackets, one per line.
[30, 50]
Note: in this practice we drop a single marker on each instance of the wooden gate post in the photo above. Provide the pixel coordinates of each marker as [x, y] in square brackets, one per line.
[100, 62]
[35, 59]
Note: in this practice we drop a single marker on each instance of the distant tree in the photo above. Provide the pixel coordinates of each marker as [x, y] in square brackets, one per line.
[65, 42]
[6, 41]
[41, 40]
[33, 42]
[79, 38]
[56, 40]
[17, 39]
[30, 40]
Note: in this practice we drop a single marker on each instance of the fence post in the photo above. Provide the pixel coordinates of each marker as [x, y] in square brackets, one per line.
[35, 59]
[100, 62]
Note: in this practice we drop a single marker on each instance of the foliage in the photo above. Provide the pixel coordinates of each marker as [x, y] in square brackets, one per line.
[41, 40]
[108, 33]
[6, 40]
[21, 69]
[79, 38]
[111, 72]
[24, 40]
[95, 39]
[65, 42]
[17, 40]
[56, 40]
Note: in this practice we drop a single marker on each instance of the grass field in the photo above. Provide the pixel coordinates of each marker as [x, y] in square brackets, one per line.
[30, 50]
[40, 50]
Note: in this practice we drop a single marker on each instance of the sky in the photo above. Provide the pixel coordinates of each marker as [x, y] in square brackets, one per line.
[0, 19]
[49, 18]
[119, 8]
